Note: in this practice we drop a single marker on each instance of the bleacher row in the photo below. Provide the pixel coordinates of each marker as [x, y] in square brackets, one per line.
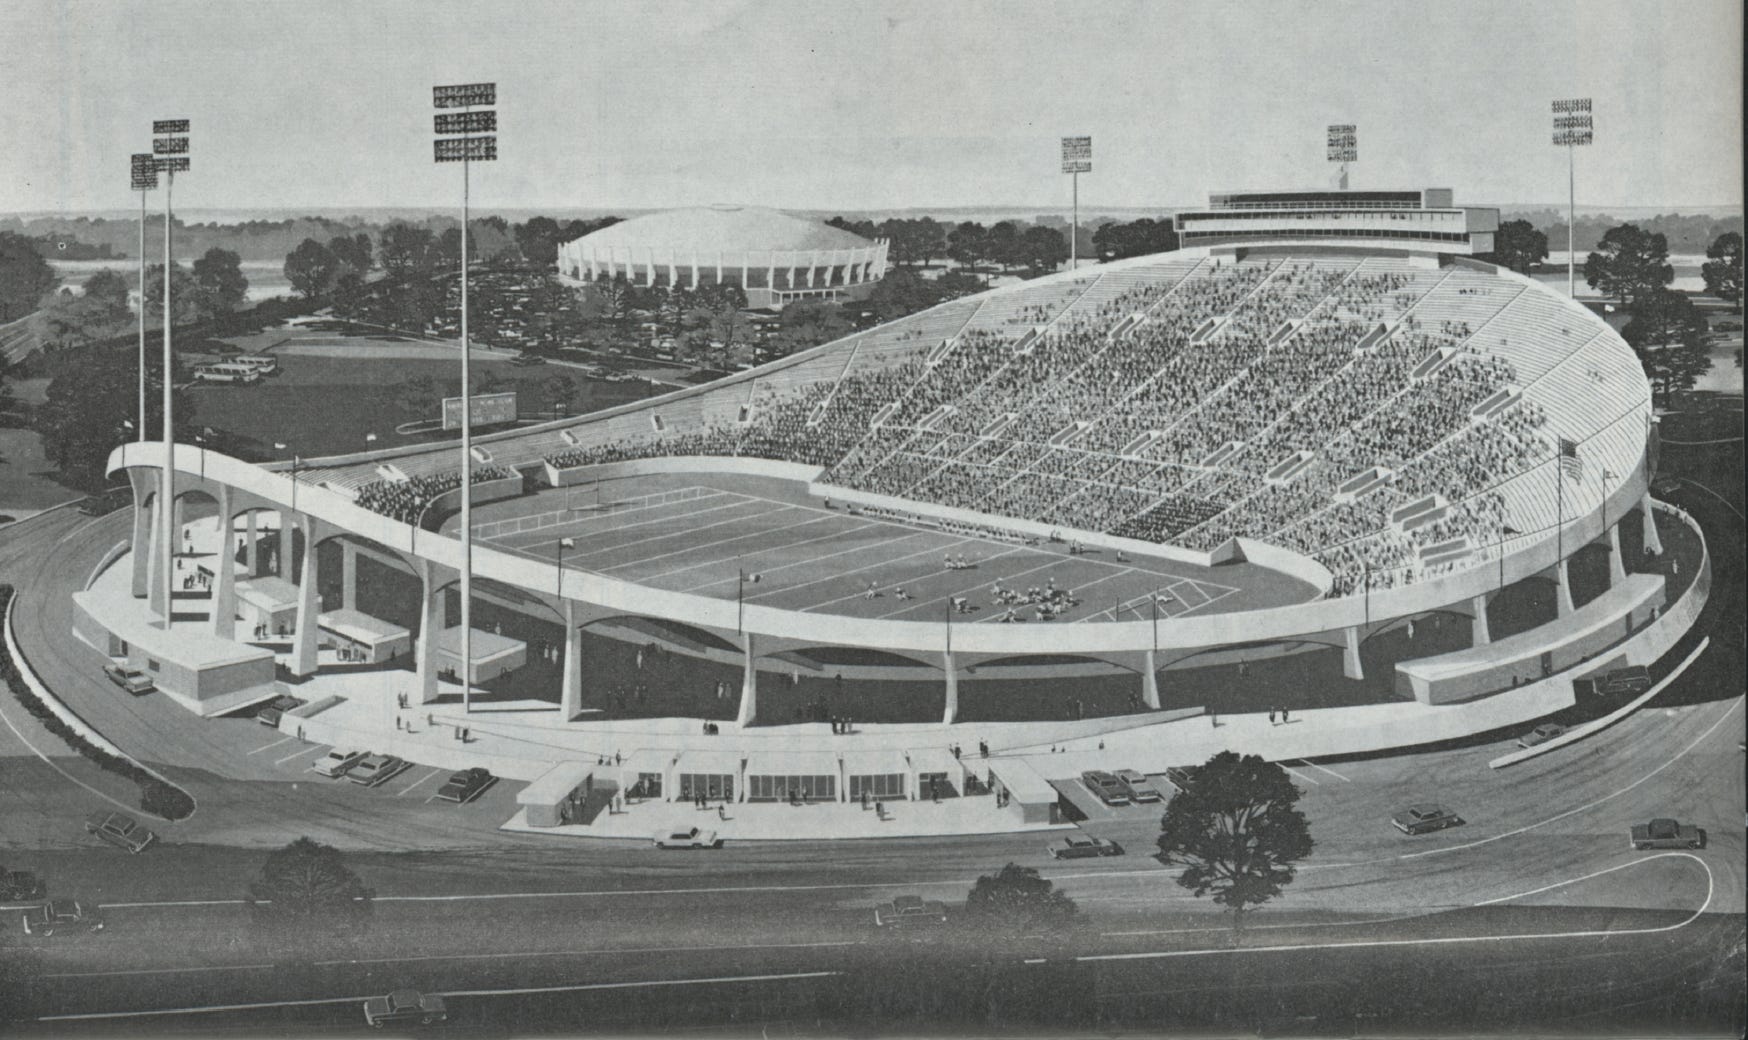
[1182, 400]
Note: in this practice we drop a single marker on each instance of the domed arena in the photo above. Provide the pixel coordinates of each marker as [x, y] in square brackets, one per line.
[774, 257]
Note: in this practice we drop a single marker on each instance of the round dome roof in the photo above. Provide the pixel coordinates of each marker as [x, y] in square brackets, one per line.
[722, 227]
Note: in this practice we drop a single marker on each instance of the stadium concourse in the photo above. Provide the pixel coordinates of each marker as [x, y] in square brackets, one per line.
[1366, 479]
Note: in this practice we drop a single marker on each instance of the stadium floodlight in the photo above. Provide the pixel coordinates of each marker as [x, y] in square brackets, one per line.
[1343, 147]
[1572, 129]
[1076, 160]
[479, 144]
[143, 170]
[170, 138]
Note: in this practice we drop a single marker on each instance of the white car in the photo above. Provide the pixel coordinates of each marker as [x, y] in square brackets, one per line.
[336, 762]
[375, 769]
[1139, 789]
[688, 839]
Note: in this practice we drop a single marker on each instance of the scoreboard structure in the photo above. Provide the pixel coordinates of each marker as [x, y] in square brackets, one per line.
[486, 410]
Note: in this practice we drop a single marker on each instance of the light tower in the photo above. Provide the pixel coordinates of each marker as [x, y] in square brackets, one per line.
[171, 156]
[145, 178]
[1572, 127]
[1076, 160]
[1344, 148]
[478, 142]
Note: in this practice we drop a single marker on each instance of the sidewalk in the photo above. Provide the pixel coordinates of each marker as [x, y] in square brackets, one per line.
[780, 821]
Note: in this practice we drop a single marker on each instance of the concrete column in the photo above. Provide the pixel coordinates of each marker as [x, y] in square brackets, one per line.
[1350, 654]
[749, 682]
[309, 606]
[430, 628]
[812, 263]
[178, 522]
[284, 567]
[141, 549]
[1653, 544]
[161, 557]
[649, 267]
[249, 555]
[950, 714]
[224, 582]
[1562, 591]
[771, 272]
[673, 272]
[1480, 634]
[571, 689]
[1150, 681]
[348, 576]
[1617, 571]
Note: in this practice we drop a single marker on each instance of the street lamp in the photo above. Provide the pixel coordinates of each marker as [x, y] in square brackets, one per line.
[477, 141]
[170, 152]
[558, 576]
[740, 603]
[144, 179]
[1572, 128]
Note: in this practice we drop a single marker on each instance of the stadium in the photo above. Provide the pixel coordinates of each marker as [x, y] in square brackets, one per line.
[774, 258]
[1321, 459]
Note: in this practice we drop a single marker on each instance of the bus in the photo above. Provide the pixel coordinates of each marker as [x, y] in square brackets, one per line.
[266, 364]
[227, 372]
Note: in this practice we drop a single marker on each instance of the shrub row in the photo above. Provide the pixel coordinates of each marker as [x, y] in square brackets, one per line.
[156, 797]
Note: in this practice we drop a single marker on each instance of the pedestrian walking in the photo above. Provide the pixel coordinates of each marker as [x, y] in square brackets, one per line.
[1283, 714]
[1271, 716]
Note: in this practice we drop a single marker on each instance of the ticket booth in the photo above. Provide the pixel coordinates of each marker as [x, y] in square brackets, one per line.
[559, 795]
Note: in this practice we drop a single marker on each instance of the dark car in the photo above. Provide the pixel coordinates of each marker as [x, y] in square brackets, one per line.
[275, 709]
[1665, 833]
[1424, 819]
[466, 785]
[1541, 735]
[61, 915]
[120, 830]
[1110, 790]
[1179, 777]
[910, 911]
[405, 1005]
[21, 884]
[1081, 846]
[1632, 680]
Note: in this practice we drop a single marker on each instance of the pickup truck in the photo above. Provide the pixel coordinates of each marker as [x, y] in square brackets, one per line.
[1664, 833]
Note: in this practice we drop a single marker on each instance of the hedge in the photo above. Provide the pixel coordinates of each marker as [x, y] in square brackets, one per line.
[156, 797]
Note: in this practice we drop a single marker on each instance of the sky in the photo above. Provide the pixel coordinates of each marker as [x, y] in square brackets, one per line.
[829, 104]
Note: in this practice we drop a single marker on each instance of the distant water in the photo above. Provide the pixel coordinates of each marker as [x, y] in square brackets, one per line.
[266, 277]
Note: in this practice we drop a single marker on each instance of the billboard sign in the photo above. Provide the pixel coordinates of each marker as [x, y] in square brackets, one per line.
[465, 95]
[486, 409]
[465, 149]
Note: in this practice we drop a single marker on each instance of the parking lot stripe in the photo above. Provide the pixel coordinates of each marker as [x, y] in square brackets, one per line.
[1298, 774]
[1321, 769]
[266, 747]
[417, 782]
[300, 752]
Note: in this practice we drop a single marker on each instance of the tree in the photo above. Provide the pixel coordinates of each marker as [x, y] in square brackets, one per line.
[1042, 249]
[1723, 275]
[965, 244]
[1518, 245]
[560, 392]
[1233, 829]
[405, 250]
[305, 898]
[25, 277]
[1017, 901]
[88, 397]
[902, 292]
[1672, 339]
[101, 312]
[310, 268]
[1142, 237]
[538, 239]
[219, 273]
[1629, 264]
[353, 252]
[419, 396]
[193, 304]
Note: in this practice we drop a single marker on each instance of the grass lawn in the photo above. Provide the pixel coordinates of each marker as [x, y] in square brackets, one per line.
[27, 478]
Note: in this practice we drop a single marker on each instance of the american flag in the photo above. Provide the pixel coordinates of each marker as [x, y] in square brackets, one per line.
[1570, 463]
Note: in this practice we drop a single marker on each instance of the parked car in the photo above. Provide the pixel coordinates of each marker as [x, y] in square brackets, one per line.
[336, 762]
[375, 769]
[61, 915]
[275, 709]
[689, 839]
[527, 359]
[1541, 734]
[1109, 789]
[466, 785]
[1140, 789]
[120, 830]
[1632, 681]
[17, 885]
[1082, 846]
[132, 680]
[910, 911]
[405, 1005]
[1665, 833]
[1179, 777]
[1423, 819]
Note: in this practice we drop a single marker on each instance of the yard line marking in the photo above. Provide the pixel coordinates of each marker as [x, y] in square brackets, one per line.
[578, 527]
[760, 533]
[416, 783]
[1298, 774]
[1049, 562]
[266, 747]
[303, 751]
[1331, 772]
[670, 534]
[886, 562]
[745, 556]
[811, 559]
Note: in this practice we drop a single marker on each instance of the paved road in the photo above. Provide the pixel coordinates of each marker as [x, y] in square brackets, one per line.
[540, 912]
